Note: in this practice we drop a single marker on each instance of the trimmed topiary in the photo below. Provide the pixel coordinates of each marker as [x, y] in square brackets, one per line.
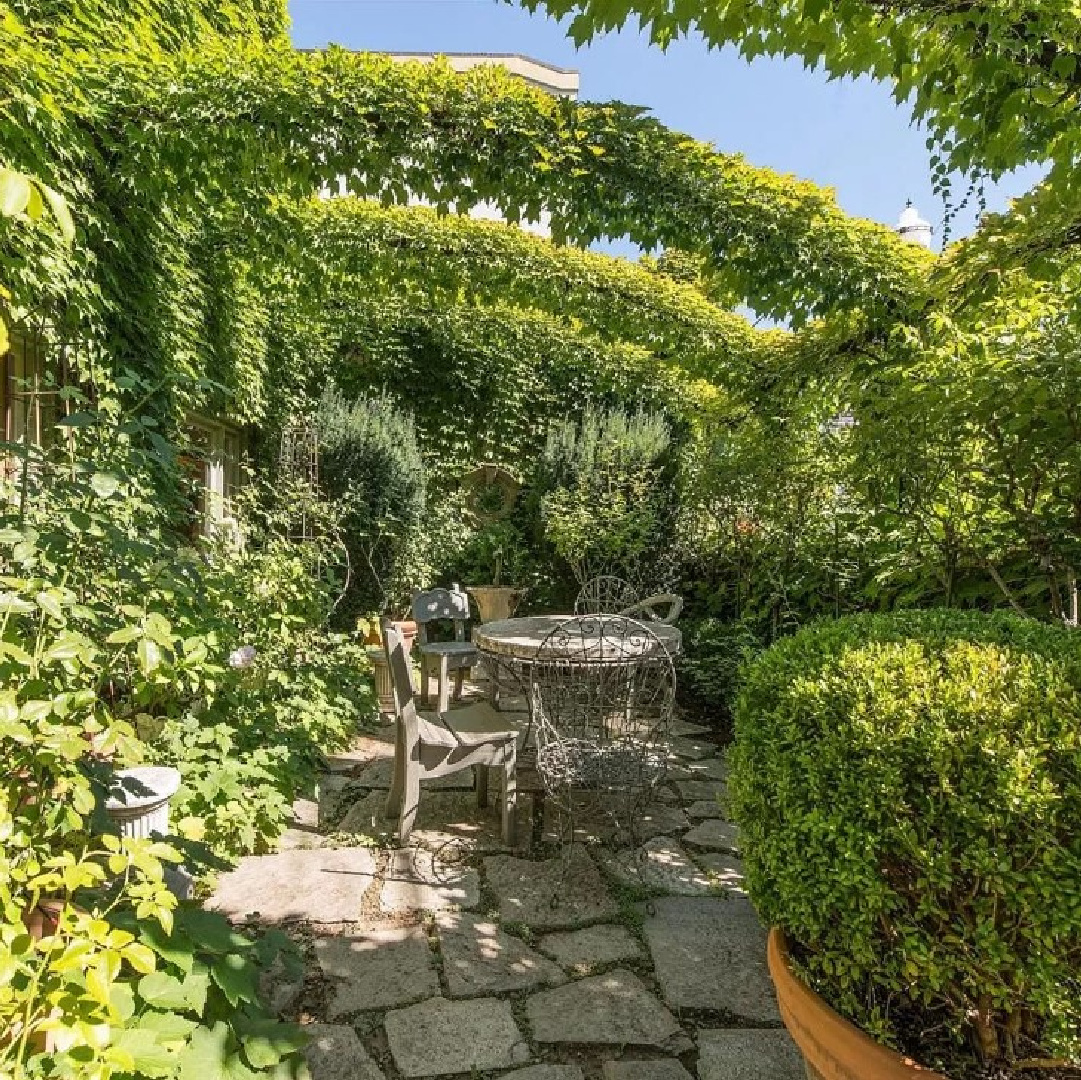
[909, 790]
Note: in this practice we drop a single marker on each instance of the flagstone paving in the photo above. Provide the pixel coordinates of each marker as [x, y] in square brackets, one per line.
[323, 886]
[660, 865]
[711, 954]
[732, 1054]
[455, 956]
[611, 1009]
[714, 835]
[583, 951]
[661, 1069]
[377, 970]
[442, 1038]
[480, 958]
[335, 1053]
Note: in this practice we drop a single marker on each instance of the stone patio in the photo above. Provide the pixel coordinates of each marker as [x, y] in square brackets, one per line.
[614, 958]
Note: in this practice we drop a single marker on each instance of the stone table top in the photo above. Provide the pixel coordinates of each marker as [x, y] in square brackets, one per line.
[521, 639]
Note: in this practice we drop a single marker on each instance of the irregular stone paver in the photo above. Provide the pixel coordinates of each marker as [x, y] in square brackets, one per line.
[379, 969]
[713, 834]
[691, 748]
[329, 794]
[280, 989]
[661, 1069]
[746, 1054]
[710, 953]
[303, 829]
[479, 958]
[545, 1072]
[659, 820]
[594, 947]
[704, 808]
[659, 864]
[335, 1053]
[725, 872]
[419, 880]
[713, 768]
[694, 790]
[551, 895]
[685, 727]
[656, 819]
[365, 816]
[323, 886]
[441, 1037]
[611, 1009]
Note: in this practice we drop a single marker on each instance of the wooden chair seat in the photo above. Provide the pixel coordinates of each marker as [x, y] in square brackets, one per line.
[474, 725]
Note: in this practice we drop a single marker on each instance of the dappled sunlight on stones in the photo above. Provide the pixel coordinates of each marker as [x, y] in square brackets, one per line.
[713, 834]
[322, 886]
[421, 880]
[710, 953]
[443, 1038]
[552, 894]
[583, 951]
[545, 1072]
[661, 865]
[480, 958]
[746, 1054]
[725, 872]
[702, 790]
[378, 969]
[335, 1053]
[611, 1009]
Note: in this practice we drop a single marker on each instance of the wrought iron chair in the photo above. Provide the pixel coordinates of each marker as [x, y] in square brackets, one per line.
[646, 610]
[424, 748]
[604, 595]
[602, 690]
[443, 657]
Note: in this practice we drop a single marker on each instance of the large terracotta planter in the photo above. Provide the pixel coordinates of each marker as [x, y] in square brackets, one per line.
[832, 1048]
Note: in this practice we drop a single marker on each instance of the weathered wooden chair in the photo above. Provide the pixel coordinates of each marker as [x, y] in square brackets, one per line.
[443, 657]
[604, 595]
[475, 737]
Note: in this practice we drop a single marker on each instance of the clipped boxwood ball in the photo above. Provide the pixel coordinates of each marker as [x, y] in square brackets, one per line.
[909, 790]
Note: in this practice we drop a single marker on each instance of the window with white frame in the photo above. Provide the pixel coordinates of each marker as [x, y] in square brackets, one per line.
[216, 461]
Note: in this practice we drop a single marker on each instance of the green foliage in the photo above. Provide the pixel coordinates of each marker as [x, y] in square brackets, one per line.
[909, 790]
[606, 492]
[708, 669]
[370, 465]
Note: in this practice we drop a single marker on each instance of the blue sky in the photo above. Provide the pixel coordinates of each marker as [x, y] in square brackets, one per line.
[849, 136]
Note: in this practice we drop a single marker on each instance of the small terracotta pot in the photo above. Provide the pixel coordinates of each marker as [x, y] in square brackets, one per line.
[832, 1048]
[408, 629]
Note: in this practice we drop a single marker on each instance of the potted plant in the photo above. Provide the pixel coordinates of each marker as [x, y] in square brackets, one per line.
[491, 494]
[908, 791]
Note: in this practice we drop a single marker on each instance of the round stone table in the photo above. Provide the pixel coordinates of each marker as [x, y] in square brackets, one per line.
[519, 640]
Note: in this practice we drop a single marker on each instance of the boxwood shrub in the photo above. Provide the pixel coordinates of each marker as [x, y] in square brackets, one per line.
[909, 789]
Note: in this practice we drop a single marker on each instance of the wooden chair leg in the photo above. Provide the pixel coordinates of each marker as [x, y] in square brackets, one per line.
[510, 795]
[423, 679]
[410, 803]
[480, 781]
[397, 778]
[444, 684]
[459, 682]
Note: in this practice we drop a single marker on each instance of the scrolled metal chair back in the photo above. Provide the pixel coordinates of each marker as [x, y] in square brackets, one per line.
[605, 595]
[602, 689]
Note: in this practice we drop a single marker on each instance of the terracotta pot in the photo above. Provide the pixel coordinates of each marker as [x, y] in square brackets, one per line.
[832, 1048]
[43, 920]
[408, 629]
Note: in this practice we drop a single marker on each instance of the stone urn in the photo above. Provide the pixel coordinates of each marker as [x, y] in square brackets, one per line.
[495, 602]
[138, 800]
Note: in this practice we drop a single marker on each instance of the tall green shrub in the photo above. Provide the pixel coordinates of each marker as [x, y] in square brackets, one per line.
[606, 492]
[370, 464]
[909, 789]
